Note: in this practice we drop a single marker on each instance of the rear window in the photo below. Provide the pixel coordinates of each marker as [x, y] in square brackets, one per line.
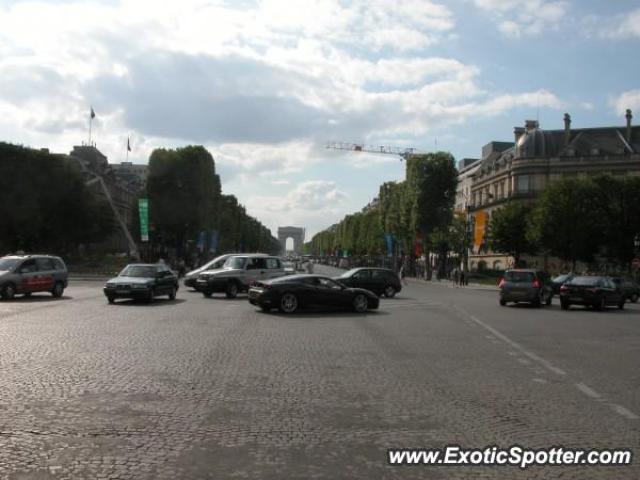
[519, 277]
[586, 281]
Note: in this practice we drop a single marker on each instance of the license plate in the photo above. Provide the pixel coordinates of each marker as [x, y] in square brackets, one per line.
[122, 291]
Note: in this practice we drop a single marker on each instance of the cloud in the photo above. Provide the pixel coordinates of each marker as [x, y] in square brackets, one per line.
[622, 26]
[629, 99]
[516, 18]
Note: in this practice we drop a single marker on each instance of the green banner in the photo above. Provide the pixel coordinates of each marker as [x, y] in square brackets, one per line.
[143, 207]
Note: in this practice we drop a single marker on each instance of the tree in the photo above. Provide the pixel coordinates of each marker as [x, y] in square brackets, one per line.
[565, 221]
[508, 230]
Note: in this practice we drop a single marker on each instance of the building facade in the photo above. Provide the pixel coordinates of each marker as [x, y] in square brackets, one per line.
[520, 170]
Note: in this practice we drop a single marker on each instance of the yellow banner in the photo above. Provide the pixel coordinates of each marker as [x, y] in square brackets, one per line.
[480, 227]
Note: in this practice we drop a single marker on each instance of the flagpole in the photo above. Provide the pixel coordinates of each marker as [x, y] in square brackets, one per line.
[127, 149]
[90, 122]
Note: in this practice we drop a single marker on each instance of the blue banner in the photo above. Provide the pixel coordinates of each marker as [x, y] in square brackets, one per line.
[213, 242]
[389, 241]
[200, 243]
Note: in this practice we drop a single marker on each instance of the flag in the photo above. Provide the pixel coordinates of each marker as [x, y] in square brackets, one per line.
[128, 145]
[93, 114]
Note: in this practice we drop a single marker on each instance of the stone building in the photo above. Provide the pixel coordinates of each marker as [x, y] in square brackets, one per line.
[520, 170]
[103, 179]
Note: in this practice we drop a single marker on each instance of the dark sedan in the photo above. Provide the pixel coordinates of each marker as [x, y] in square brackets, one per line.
[142, 282]
[377, 280]
[591, 291]
[298, 292]
[630, 289]
[560, 280]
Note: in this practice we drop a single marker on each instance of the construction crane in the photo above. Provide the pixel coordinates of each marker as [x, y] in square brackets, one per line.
[403, 153]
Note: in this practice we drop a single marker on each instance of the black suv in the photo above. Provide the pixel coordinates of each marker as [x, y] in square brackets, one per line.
[27, 274]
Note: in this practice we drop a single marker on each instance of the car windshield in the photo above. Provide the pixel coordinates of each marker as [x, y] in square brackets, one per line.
[585, 281]
[235, 262]
[348, 273]
[8, 263]
[561, 278]
[519, 277]
[142, 271]
[215, 263]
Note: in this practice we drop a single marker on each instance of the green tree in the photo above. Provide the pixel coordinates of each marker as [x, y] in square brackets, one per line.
[565, 221]
[508, 230]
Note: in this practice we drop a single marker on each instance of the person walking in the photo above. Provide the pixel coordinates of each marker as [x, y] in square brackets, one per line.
[402, 274]
[456, 276]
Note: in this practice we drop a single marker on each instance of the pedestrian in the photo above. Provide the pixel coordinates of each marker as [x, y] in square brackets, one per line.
[462, 279]
[456, 276]
[402, 275]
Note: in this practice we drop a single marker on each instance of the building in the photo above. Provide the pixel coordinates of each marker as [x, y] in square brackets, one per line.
[467, 168]
[520, 170]
[121, 193]
[133, 175]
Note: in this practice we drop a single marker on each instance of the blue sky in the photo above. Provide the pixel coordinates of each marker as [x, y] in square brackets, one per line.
[265, 84]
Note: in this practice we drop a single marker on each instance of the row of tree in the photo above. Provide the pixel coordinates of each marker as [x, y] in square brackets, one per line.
[45, 205]
[185, 199]
[574, 220]
[417, 209]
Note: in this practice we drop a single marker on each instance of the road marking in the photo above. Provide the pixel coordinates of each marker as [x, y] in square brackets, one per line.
[548, 365]
[588, 391]
[539, 380]
[625, 412]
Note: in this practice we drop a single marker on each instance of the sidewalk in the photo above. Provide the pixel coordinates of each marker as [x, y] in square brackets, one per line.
[334, 272]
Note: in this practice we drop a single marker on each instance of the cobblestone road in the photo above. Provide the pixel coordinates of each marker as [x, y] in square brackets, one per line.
[212, 388]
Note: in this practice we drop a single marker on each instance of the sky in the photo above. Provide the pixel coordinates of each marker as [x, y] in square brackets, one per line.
[265, 85]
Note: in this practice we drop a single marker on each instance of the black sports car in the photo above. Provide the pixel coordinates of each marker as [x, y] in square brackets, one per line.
[143, 282]
[296, 292]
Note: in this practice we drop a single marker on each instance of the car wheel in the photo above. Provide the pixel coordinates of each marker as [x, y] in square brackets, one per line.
[634, 297]
[564, 305]
[172, 293]
[9, 291]
[150, 296]
[288, 303]
[360, 303]
[265, 309]
[621, 304]
[111, 299]
[389, 291]
[549, 298]
[207, 293]
[232, 289]
[602, 303]
[58, 290]
[503, 302]
[538, 301]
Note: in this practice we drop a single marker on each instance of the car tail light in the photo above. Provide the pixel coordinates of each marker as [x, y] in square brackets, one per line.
[563, 288]
[501, 283]
[536, 283]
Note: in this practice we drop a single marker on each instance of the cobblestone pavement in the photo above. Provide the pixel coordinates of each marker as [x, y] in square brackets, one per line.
[213, 388]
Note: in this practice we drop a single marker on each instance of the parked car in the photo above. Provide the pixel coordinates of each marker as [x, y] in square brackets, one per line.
[27, 274]
[142, 281]
[521, 285]
[560, 280]
[591, 291]
[298, 292]
[377, 280]
[630, 289]
[237, 273]
[191, 277]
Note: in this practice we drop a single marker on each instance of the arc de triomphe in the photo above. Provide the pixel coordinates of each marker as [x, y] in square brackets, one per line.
[296, 233]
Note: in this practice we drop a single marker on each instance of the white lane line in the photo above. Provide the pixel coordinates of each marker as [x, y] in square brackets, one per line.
[588, 391]
[548, 365]
[539, 380]
[624, 411]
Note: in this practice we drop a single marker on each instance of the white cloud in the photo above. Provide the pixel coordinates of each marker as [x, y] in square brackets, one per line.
[525, 17]
[629, 99]
[622, 26]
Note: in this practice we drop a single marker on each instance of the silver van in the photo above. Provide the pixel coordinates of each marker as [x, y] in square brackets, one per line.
[27, 274]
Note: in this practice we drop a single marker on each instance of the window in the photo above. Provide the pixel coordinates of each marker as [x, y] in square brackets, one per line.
[380, 274]
[256, 264]
[361, 275]
[328, 283]
[45, 264]
[29, 266]
[273, 263]
[523, 183]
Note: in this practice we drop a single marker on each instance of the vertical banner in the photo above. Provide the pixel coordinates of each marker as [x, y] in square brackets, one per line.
[200, 244]
[389, 241]
[143, 209]
[213, 242]
[479, 228]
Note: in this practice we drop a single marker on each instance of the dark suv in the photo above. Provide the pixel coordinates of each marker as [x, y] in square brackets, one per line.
[520, 285]
[27, 274]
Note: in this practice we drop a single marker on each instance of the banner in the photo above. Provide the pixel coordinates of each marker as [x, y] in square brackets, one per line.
[389, 241]
[213, 242]
[200, 243]
[143, 209]
[479, 228]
